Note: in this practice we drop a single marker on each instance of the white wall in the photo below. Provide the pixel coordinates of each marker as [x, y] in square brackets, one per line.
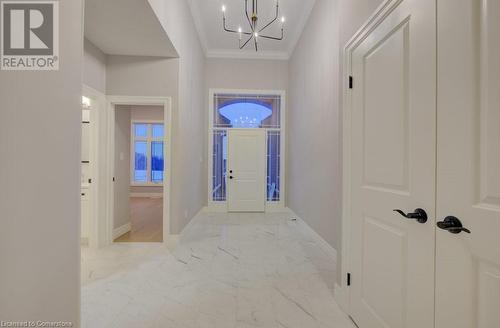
[246, 74]
[40, 132]
[94, 67]
[189, 170]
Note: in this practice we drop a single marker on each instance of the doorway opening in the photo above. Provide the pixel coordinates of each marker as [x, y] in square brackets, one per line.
[139, 169]
[139, 173]
[245, 110]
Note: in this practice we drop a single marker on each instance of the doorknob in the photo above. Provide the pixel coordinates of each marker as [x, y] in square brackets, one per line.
[418, 215]
[452, 225]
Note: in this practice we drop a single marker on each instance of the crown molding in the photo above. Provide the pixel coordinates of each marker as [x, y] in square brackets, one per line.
[238, 54]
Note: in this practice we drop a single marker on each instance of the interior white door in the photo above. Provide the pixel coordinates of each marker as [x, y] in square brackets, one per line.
[246, 170]
[393, 146]
[468, 265]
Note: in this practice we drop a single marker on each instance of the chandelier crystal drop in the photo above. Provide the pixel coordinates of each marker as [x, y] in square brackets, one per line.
[255, 30]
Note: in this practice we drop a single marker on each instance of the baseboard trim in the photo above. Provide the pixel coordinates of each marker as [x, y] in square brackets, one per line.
[121, 230]
[323, 244]
[341, 296]
[146, 194]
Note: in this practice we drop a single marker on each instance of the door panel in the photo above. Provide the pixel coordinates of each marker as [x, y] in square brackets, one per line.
[246, 160]
[393, 166]
[468, 265]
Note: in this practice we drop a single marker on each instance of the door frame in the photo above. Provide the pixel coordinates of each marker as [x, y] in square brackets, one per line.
[221, 206]
[112, 101]
[97, 111]
[341, 290]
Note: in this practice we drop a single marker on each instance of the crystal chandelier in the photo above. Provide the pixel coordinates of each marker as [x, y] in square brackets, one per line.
[256, 31]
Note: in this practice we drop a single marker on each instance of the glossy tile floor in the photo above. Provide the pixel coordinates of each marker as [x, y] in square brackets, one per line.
[227, 270]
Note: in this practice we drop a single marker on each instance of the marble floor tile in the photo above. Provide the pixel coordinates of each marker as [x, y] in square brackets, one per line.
[227, 270]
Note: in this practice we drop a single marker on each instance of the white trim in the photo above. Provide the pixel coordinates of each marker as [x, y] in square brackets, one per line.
[148, 139]
[222, 206]
[122, 230]
[382, 11]
[275, 207]
[149, 184]
[97, 205]
[146, 194]
[241, 54]
[340, 294]
[216, 207]
[323, 244]
[112, 101]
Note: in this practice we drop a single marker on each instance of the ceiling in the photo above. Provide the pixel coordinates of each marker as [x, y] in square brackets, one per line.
[217, 43]
[126, 27]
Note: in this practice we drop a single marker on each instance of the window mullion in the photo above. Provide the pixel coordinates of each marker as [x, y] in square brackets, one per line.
[149, 165]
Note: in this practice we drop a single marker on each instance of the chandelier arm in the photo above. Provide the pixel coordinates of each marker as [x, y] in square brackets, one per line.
[224, 26]
[273, 37]
[244, 44]
[248, 17]
[231, 30]
[274, 20]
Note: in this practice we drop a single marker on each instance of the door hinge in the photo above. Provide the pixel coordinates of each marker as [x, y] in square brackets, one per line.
[351, 82]
[114, 179]
[348, 279]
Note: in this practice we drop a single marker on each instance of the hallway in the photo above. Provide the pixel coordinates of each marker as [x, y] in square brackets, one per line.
[146, 218]
[227, 270]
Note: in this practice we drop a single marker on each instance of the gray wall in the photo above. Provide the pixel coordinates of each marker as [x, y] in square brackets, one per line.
[315, 115]
[94, 67]
[40, 183]
[314, 144]
[246, 74]
[122, 166]
[189, 167]
[142, 76]
[352, 15]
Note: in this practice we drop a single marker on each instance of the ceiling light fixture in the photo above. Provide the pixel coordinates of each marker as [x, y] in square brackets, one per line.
[253, 23]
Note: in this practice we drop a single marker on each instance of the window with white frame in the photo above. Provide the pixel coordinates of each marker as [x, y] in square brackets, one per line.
[147, 153]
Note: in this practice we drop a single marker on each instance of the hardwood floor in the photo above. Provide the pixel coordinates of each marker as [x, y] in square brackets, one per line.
[146, 217]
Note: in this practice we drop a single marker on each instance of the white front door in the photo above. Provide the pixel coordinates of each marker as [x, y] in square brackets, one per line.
[393, 167]
[468, 187]
[246, 170]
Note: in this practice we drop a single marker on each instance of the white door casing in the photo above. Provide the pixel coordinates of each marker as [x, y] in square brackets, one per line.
[393, 161]
[246, 190]
[468, 185]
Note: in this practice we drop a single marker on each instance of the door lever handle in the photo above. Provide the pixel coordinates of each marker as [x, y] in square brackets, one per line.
[452, 225]
[419, 214]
